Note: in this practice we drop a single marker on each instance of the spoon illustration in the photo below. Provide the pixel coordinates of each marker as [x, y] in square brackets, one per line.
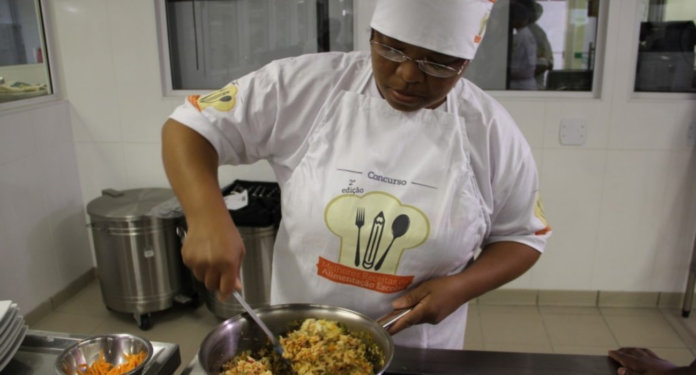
[399, 227]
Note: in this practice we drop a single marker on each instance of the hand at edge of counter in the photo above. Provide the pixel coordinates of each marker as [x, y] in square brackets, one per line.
[646, 362]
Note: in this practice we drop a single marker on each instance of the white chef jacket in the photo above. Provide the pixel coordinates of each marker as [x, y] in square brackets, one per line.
[276, 114]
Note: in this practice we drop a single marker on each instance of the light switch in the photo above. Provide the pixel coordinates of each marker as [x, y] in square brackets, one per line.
[573, 132]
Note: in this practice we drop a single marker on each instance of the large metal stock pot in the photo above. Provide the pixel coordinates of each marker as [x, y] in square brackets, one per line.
[241, 333]
[138, 254]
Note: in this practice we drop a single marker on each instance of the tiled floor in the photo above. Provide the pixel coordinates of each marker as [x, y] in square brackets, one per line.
[571, 330]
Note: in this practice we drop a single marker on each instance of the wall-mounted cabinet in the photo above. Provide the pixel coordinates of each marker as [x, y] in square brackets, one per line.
[24, 63]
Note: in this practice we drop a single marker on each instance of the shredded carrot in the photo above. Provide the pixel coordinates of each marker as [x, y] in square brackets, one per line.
[102, 367]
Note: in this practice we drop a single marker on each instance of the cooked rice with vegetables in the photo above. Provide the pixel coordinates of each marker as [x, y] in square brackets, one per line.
[318, 347]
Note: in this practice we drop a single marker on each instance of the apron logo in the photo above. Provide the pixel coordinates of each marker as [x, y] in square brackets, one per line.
[539, 213]
[223, 99]
[375, 230]
[352, 189]
[364, 279]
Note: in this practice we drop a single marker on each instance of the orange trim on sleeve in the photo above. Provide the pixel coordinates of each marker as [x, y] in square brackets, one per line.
[543, 231]
[193, 99]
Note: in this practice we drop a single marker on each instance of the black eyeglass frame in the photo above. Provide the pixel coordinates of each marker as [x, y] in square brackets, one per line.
[421, 63]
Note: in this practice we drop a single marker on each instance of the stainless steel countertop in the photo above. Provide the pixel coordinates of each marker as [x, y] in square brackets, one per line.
[39, 351]
[410, 361]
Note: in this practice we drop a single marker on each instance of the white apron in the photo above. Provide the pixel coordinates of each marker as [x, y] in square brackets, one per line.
[382, 201]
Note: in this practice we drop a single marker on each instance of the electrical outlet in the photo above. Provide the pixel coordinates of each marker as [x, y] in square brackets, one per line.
[573, 132]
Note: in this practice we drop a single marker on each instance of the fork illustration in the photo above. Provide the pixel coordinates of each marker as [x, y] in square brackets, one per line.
[359, 222]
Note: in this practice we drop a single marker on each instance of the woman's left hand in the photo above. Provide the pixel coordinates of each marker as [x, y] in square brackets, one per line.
[431, 302]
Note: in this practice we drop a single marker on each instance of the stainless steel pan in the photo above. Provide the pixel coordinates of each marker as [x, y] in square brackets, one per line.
[241, 333]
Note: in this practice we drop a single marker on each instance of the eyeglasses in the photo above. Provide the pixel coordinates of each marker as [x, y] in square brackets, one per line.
[425, 66]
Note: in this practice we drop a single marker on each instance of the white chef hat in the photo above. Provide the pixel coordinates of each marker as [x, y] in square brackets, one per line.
[451, 27]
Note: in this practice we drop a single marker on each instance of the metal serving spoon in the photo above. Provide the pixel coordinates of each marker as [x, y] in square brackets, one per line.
[274, 341]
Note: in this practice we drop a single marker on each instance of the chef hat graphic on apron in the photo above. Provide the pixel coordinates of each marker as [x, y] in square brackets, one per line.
[451, 27]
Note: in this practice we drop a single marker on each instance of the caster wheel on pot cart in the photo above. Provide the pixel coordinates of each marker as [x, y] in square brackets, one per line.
[144, 321]
[195, 301]
[191, 300]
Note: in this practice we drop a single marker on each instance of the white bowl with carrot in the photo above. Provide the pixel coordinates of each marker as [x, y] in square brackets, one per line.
[114, 354]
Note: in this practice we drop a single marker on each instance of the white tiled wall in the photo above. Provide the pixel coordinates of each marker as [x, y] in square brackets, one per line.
[43, 239]
[622, 205]
[574, 206]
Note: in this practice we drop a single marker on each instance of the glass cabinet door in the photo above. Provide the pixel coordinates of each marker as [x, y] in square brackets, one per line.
[24, 70]
[666, 47]
[538, 45]
[212, 42]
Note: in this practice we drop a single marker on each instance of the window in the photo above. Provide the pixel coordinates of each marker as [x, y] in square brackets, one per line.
[538, 45]
[214, 41]
[24, 70]
[666, 47]
[529, 44]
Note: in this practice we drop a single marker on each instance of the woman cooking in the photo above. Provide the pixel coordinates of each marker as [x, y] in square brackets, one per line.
[394, 171]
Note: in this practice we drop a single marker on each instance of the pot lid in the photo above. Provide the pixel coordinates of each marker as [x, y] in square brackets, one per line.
[130, 204]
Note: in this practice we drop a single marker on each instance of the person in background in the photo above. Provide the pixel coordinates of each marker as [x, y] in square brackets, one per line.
[394, 172]
[523, 51]
[644, 362]
[544, 52]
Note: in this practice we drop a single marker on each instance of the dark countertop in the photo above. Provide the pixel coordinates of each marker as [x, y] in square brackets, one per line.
[460, 362]
[410, 361]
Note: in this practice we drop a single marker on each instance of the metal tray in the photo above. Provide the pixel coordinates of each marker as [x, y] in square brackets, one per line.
[39, 351]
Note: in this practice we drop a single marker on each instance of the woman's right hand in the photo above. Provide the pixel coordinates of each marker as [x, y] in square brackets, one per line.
[213, 250]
